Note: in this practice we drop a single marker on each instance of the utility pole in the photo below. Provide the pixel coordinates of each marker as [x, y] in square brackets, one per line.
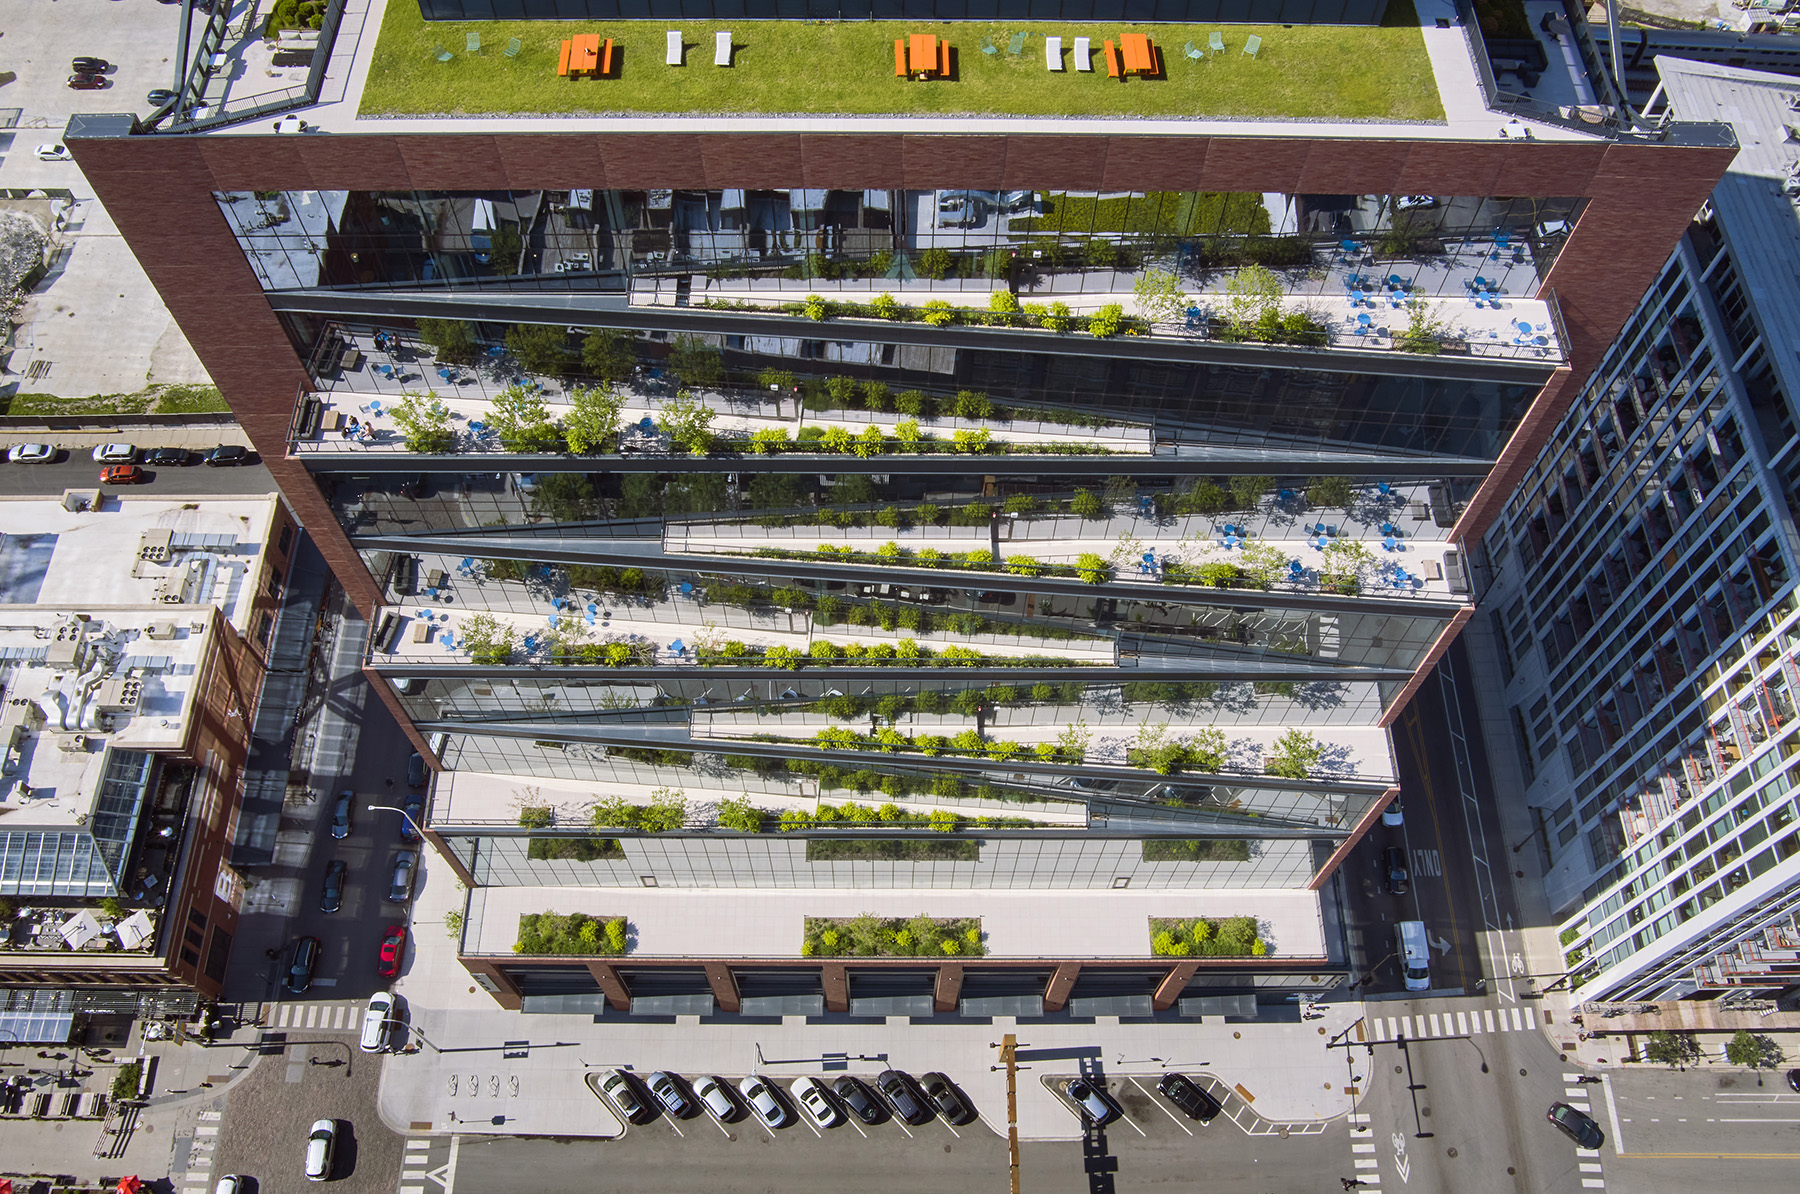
[1009, 1049]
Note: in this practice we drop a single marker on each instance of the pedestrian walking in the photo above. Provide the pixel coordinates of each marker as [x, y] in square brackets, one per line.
[389, 781]
[1351, 1183]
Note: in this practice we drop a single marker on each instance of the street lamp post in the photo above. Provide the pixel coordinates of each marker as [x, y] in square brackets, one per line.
[388, 808]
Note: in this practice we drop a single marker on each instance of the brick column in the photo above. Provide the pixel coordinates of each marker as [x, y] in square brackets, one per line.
[724, 986]
[949, 987]
[1170, 988]
[618, 995]
[508, 995]
[1061, 983]
[835, 978]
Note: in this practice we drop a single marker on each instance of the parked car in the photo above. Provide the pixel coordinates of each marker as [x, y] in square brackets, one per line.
[897, 1088]
[415, 815]
[623, 1092]
[156, 97]
[164, 457]
[811, 1094]
[416, 771]
[321, 1146]
[1096, 1105]
[400, 886]
[715, 1093]
[1393, 816]
[340, 815]
[1186, 1094]
[1576, 1125]
[1393, 866]
[331, 897]
[227, 454]
[123, 474]
[759, 1093]
[378, 1023]
[115, 454]
[84, 65]
[87, 82]
[1793, 1080]
[393, 951]
[231, 1183]
[859, 1098]
[949, 1101]
[668, 1093]
[53, 153]
[31, 453]
[303, 959]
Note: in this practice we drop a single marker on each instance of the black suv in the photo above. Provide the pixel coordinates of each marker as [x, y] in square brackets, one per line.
[167, 456]
[303, 958]
[901, 1095]
[226, 455]
[1182, 1091]
[1393, 865]
[949, 1101]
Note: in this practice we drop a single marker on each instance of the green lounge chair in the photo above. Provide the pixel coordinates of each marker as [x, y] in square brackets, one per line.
[1016, 46]
[1193, 51]
[1252, 45]
[441, 54]
[473, 43]
[988, 46]
[1216, 42]
[513, 46]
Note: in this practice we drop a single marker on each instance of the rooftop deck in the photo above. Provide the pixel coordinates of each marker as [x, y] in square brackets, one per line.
[848, 68]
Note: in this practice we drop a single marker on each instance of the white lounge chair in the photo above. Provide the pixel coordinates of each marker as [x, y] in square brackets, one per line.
[673, 57]
[721, 49]
[1084, 57]
[1053, 53]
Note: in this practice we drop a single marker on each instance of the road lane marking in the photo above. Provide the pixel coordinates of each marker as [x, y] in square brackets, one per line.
[1435, 1030]
[1589, 1167]
[1134, 1126]
[1592, 1183]
[1359, 1117]
[1612, 1112]
[1162, 1108]
[1462, 1024]
[1530, 1018]
[1368, 1163]
[1362, 1148]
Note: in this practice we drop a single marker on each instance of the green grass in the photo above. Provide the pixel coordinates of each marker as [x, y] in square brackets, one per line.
[782, 67]
[159, 399]
[1167, 213]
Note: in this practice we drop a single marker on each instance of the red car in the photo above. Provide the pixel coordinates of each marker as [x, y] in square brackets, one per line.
[87, 82]
[122, 474]
[393, 948]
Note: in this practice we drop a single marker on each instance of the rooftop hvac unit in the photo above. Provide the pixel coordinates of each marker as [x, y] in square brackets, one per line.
[159, 630]
[154, 545]
[73, 744]
[119, 695]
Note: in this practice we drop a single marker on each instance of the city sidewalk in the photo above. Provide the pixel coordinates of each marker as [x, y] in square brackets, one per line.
[481, 1069]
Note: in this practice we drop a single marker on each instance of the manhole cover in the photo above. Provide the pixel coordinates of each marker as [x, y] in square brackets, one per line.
[1450, 1151]
[1399, 1069]
[1521, 1073]
[946, 1148]
[1511, 1172]
[1425, 1111]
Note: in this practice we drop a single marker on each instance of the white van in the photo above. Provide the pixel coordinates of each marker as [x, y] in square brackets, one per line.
[1415, 954]
[378, 1023]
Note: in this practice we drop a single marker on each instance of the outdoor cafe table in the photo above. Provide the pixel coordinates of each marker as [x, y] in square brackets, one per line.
[922, 54]
[584, 53]
[1138, 58]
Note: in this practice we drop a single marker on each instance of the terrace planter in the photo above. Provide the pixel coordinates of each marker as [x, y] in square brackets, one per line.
[575, 934]
[869, 936]
[1203, 937]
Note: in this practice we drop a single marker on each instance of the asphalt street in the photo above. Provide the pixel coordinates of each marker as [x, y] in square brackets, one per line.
[1677, 1129]
[76, 470]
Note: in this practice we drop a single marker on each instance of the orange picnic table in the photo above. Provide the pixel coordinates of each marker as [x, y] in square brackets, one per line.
[1140, 59]
[924, 55]
[584, 53]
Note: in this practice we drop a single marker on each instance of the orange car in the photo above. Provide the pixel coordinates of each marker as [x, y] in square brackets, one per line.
[122, 474]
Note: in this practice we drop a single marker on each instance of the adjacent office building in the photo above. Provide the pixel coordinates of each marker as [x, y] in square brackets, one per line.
[957, 561]
[1643, 594]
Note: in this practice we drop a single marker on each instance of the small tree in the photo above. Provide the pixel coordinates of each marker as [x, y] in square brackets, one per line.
[424, 421]
[609, 355]
[1752, 1049]
[739, 814]
[1159, 296]
[1253, 296]
[1087, 504]
[695, 362]
[540, 348]
[1262, 563]
[523, 422]
[1247, 491]
[592, 423]
[1671, 1048]
[688, 423]
[1328, 492]
[1093, 567]
[1344, 561]
[486, 639]
[451, 339]
[1294, 755]
[1106, 322]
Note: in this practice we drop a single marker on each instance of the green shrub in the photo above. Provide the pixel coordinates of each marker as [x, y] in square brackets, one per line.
[1232, 937]
[575, 934]
[870, 936]
[125, 1082]
[1087, 504]
[1108, 321]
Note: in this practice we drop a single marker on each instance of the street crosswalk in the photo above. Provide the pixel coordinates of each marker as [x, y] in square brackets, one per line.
[1362, 1153]
[322, 1017]
[198, 1177]
[1435, 1024]
[1575, 1094]
[429, 1165]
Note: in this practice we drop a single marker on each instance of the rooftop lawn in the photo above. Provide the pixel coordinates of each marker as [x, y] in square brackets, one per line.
[791, 67]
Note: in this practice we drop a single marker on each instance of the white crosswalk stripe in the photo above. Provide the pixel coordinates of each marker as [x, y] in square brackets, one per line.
[1462, 1024]
[1531, 1019]
[1589, 1167]
[1362, 1148]
[1593, 1183]
[1367, 1163]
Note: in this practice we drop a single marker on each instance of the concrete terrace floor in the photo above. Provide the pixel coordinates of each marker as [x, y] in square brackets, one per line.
[847, 68]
